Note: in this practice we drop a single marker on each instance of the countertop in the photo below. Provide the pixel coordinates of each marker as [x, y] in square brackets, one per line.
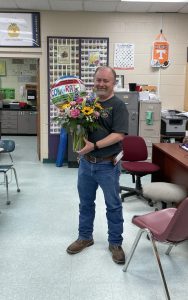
[18, 109]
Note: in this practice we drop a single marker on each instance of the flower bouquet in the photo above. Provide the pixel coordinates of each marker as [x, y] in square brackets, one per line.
[78, 112]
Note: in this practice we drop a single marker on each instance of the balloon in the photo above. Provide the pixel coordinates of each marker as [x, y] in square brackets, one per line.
[66, 87]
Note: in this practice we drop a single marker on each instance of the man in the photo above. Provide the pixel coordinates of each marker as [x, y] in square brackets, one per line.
[97, 168]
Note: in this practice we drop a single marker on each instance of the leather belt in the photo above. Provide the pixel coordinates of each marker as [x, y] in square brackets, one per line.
[95, 160]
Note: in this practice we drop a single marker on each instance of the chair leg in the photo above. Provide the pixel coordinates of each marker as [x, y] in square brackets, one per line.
[16, 178]
[156, 255]
[138, 183]
[130, 192]
[169, 249]
[139, 234]
[6, 184]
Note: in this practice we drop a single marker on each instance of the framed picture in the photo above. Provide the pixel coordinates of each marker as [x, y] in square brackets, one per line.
[63, 55]
[94, 58]
[120, 81]
[18, 29]
[2, 68]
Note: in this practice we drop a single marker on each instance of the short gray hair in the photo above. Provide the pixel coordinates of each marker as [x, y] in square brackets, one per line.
[106, 67]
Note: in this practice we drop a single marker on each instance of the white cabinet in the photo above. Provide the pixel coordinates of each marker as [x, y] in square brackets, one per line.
[150, 131]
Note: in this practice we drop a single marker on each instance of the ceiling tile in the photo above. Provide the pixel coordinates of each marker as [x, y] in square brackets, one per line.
[34, 4]
[102, 6]
[94, 5]
[133, 7]
[7, 4]
[73, 5]
[165, 7]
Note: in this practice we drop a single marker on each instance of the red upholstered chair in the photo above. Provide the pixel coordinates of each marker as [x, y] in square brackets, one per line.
[134, 162]
[169, 226]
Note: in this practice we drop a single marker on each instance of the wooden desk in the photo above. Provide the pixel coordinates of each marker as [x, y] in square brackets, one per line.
[173, 162]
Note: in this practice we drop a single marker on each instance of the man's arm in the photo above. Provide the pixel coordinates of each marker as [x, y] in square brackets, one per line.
[111, 139]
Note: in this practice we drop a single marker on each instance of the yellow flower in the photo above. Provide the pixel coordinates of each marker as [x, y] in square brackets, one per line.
[97, 105]
[64, 106]
[87, 110]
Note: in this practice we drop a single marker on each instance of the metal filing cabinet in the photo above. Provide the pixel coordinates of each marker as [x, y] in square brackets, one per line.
[131, 100]
[150, 132]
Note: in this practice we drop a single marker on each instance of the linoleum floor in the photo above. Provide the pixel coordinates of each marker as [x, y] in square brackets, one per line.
[42, 220]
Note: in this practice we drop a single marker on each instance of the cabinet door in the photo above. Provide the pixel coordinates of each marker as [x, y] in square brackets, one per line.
[27, 122]
[152, 106]
[22, 122]
[32, 122]
[8, 122]
[131, 101]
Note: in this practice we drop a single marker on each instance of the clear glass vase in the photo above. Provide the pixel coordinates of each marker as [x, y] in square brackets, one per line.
[78, 136]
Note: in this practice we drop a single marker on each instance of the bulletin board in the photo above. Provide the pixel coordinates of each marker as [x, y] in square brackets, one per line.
[78, 56]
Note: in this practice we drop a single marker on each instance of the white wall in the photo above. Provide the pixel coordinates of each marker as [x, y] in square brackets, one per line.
[140, 29]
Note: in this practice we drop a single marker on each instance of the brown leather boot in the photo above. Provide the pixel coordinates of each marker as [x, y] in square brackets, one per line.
[118, 254]
[79, 245]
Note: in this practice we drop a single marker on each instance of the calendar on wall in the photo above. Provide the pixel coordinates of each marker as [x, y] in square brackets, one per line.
[68, 56]
[124, 56]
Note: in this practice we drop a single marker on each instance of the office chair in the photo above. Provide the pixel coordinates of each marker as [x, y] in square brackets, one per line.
[169, 226]
[134, 163]
[8, 146]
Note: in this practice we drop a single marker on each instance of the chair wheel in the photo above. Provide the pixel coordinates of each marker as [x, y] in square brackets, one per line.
[18, 190]
[8, 202]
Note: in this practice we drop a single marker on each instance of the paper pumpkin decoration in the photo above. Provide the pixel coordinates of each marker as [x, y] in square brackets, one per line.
[66, 87]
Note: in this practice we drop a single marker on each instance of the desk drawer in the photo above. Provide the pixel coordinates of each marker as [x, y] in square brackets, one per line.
[149, 130]
[153, 107]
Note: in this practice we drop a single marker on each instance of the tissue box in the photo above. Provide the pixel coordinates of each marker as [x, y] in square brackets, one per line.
[144, 95]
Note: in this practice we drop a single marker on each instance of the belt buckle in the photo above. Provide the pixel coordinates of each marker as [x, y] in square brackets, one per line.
[93, 159]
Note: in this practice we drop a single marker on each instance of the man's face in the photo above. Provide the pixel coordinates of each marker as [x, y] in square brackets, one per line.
[104, 84]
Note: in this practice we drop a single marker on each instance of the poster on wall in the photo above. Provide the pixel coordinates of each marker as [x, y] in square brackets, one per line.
[63, 55]
[19, 29]
[94, 58]
[124, 56]
[160, 52]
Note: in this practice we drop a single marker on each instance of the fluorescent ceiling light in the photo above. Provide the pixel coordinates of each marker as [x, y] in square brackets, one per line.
[157, 1]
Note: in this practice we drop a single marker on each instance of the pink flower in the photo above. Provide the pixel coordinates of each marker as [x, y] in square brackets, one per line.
[97, 114]
[74, 113]
[72, 103]
[79, 100]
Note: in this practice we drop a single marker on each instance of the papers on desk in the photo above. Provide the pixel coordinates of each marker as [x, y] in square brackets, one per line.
[183, 113]
[184, 146]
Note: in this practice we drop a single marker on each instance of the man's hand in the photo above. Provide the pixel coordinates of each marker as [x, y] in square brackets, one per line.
[87, 148]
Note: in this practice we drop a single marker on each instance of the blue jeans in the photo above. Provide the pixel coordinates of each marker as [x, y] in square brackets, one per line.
[105, 175]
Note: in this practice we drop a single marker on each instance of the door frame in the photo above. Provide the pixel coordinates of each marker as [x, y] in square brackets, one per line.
[38, 59]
